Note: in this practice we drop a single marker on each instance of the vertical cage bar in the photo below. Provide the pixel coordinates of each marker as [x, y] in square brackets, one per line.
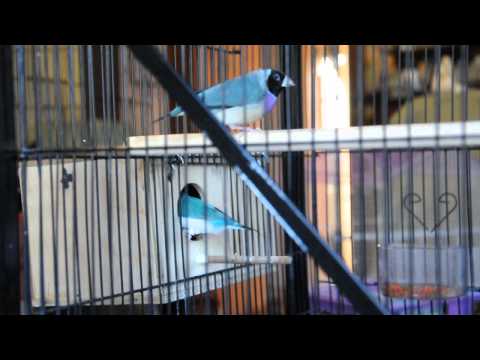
[9, 239]
[294, 180]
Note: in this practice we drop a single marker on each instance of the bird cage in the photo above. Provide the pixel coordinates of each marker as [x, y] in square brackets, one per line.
[242, 179]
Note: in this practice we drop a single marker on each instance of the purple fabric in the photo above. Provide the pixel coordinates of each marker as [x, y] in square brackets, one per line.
[328, 300]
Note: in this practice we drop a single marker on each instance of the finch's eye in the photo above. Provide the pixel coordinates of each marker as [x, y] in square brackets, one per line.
[276, 77]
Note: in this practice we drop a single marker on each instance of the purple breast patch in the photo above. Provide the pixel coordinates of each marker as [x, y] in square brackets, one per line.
[269, 102]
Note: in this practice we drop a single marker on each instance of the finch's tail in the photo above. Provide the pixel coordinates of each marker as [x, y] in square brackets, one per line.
[249, 228]
[238, 226]
[172, 114]
[162, 118]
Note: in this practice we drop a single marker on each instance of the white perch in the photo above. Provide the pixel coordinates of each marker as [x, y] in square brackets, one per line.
[378, 137]
[238, 259]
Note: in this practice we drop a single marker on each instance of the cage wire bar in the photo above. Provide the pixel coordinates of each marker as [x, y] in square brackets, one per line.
[375, 151]
[293, 169]
[9, 245]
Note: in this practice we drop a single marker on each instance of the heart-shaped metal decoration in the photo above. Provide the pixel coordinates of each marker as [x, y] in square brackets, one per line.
[447, 198]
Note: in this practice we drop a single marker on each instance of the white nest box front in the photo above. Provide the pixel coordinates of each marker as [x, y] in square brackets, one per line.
[100, 228]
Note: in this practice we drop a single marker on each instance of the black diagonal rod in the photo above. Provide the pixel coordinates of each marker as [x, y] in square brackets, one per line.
[284, 211]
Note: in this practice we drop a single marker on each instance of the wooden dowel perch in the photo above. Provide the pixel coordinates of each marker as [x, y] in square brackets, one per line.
[237, 259]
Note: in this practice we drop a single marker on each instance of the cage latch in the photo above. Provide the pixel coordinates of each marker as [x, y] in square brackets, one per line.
[172, 161]
[66, 179]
